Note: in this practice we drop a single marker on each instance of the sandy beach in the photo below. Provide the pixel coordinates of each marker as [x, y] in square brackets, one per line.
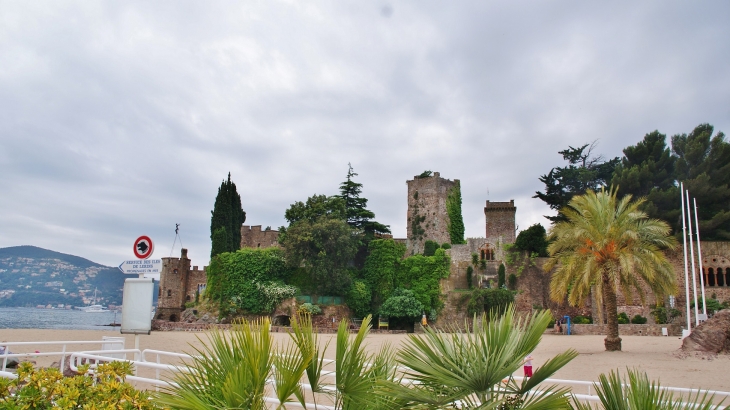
[660, 357]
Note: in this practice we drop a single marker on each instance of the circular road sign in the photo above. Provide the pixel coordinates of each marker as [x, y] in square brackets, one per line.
[143, 247]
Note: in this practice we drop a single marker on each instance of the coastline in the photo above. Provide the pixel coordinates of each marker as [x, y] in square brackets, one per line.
[660, 357]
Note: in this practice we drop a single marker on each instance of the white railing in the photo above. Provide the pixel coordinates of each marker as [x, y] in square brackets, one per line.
[64, 349]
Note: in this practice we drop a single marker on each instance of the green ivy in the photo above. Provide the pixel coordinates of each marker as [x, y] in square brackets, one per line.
[453, 209]
[487, 300]
[359, 298]
[250, 280]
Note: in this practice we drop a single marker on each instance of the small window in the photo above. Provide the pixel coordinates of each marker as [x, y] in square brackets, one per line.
[169, 293]
[187, 298]
[174, 271]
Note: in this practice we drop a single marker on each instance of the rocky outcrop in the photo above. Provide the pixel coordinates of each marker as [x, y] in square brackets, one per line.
[712, 336]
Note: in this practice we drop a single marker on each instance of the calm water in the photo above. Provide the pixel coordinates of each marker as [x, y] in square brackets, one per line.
[32, 318]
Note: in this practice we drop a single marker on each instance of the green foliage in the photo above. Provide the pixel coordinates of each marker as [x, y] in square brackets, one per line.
[582, 173]
[219, 242]
[512, 281]
[445, 245]
[249, 280]
[703, 164]
[490, 300]
[470, 277]
[319, 240]
[582, 320]
[381, 267]
[49, 389]
[663, 315]
[475, 368]
[227, 213]
[501, 276]
[359, 297]
[713, 305]
[429, 248]
[623, 318]
[453, 209]
[638, 320]
[425, 174]
[358, 216]
[474, 259]
[309, 309]
[532, 240]
[385, 270]
[638, 392]
[401, 304]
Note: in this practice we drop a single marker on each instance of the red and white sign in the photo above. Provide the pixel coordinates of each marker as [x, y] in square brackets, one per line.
[143, 247]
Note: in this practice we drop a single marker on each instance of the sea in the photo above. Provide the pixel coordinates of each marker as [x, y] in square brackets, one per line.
[34, 318]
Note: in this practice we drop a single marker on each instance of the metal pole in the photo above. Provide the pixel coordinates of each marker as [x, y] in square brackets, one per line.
[686, 268]
[699, 256]
[692, 256]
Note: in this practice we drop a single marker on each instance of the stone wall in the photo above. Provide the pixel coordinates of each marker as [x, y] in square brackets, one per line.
[172, 290]
[628, 330]
[427, 210]
[254, 237]
[500, 221]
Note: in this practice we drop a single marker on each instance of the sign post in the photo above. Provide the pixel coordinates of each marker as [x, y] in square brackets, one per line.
[138, 293]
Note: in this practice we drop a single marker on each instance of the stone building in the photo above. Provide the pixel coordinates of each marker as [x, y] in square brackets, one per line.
[500, 221]
[179, 284]
[254, 237]
[427, 218]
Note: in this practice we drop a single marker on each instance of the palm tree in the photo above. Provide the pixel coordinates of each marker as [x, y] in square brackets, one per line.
[608, 244]
[474, 369]
[638, 392]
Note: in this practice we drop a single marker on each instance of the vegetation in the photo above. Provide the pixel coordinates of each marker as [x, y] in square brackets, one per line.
[532, 240]
[359, 298]
[582, 320]
[470, 277]
[489, 300]
[49, 389]
[638, 320]
[319, 240]
[608, 244]
[663, 315]
[453, 209]
[429, 248]
[501, 279]
[402, 304]
[583, 172]
[309, 309]
[358, 216]
[622, 318]
[638, 392]
[250, 280]
[227, 213]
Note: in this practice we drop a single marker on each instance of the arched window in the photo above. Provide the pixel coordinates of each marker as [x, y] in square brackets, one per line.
[720, 277]
[487, 252]
[169, 293]
[187, 298]
[711, 278]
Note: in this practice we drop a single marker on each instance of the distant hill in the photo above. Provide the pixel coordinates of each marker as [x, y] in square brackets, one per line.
[31, 276]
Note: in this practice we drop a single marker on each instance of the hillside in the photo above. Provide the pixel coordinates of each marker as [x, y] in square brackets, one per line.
[31, 276]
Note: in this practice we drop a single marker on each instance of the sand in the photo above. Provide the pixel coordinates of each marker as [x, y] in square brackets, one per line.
[660, 357]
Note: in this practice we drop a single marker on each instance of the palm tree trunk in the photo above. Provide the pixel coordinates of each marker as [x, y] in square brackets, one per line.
[612, 341]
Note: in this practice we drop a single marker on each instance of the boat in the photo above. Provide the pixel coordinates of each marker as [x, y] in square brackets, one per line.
[94, 308]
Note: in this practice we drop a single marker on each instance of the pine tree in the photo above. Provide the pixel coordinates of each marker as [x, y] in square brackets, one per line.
[358, 216]
[227, 213]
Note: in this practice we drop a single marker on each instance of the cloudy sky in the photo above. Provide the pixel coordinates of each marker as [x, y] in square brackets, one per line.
[119, 119]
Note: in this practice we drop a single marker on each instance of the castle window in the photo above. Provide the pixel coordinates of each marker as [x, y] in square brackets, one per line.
[711, 277]
[487, 252]
[159, 292]
[187, 298]
[258, 246]
[169, 293]
[720, 277]
[174, 271]
[727, 276]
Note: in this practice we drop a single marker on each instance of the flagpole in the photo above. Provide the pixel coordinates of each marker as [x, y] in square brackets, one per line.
[692, 257]
[699, 256]
[686, 268]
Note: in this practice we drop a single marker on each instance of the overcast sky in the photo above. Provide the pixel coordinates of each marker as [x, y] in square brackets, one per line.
[119, 119]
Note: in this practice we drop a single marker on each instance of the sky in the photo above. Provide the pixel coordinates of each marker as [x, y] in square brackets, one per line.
[121, 119]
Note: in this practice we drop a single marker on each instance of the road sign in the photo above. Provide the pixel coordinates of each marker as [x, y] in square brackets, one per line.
[143, 247]
[141, 267]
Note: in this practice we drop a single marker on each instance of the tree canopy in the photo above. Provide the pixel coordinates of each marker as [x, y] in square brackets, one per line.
[227, 213]
[607, 245]
[358, 216]
[584, 171]
[533, 240]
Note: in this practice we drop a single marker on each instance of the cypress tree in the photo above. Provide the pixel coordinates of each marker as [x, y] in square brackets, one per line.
[227, 213]
[500, 276]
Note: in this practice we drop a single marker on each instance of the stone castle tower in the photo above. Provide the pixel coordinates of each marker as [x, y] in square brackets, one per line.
[427, 216]
[179, 284]
[500, 221]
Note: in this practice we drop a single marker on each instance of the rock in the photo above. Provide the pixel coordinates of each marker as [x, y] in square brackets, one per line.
[712, 336]
[67, 372]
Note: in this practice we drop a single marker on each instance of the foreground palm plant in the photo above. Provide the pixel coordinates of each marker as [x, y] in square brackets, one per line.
[641, 394]
[474, 369]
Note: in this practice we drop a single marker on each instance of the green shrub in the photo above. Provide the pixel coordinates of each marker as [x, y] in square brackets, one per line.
[445, 245]
[470, 277]
[623, 318]
[582, 320]
[474, 259]
[638, 320]
[663, 315]
[501, 276]
[359, 297]
[402, 304]
[512, 281]
[49, 389]
[429, 248]
[309, 308]
[189, 305]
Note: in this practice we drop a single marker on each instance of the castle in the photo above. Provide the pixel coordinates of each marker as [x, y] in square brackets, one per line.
[428, 219]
